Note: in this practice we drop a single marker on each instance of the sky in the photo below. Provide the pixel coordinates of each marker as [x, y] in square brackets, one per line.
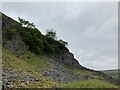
[90, 28]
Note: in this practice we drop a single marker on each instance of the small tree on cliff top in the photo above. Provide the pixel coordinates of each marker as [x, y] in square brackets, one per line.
[63, 43]
[50, 33]
[26, 23]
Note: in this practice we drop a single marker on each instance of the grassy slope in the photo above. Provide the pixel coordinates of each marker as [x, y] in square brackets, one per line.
[78, 72]
[31, 66]
[112, 73]
[94, 83]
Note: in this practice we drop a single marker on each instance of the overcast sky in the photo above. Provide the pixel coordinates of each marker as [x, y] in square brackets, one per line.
[90, 28]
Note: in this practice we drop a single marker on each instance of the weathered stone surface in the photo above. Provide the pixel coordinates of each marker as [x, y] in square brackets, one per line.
[59, 74]
[9, 76]
[14, 42]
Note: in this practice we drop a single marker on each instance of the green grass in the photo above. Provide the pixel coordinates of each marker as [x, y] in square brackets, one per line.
[28, 66]
[83, 72]
[78, 72]
[23, 63]
[94, 83]
[31, 66]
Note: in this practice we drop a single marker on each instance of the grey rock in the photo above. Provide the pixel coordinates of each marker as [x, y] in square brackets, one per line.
[9, 76]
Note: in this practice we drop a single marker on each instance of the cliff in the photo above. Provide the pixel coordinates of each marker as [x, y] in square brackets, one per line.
[14, 42]
[34, 58]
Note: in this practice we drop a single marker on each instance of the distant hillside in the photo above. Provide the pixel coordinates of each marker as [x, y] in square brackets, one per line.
[33, 60]
[113, 73]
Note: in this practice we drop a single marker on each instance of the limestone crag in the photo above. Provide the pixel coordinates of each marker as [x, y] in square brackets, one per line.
[68, 59]
[60, 74]
[12, 42]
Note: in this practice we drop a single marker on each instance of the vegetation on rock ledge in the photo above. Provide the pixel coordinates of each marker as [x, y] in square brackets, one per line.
[41, 44]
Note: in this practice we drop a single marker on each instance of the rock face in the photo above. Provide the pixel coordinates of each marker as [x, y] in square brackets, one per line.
[60, 74]
[15, 44]
[68, 59]
[12, 42]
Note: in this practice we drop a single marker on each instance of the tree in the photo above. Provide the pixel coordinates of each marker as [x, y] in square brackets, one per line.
[21, 21]
[63, 42]
[38, 43]
[26, 23]
[50, 33]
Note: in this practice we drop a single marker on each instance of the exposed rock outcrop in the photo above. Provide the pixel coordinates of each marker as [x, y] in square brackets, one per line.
[60, 74]
[67, 58]
[12, 42]
[9, 76]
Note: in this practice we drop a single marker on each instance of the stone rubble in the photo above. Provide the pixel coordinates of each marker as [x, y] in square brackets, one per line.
[60, 74]
[9, 76]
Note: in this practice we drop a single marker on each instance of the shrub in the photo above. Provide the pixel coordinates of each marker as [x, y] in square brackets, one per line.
[38, 43]
[63, 43]
[50, 33]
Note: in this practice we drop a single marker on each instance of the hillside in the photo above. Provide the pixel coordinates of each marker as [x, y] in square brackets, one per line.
[33, 60]
[113, 73]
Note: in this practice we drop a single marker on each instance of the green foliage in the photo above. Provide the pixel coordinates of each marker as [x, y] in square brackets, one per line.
[33, 38]
[10, 31]
[63, 42]
[26, 23]
[50, 33]
[38, 43]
